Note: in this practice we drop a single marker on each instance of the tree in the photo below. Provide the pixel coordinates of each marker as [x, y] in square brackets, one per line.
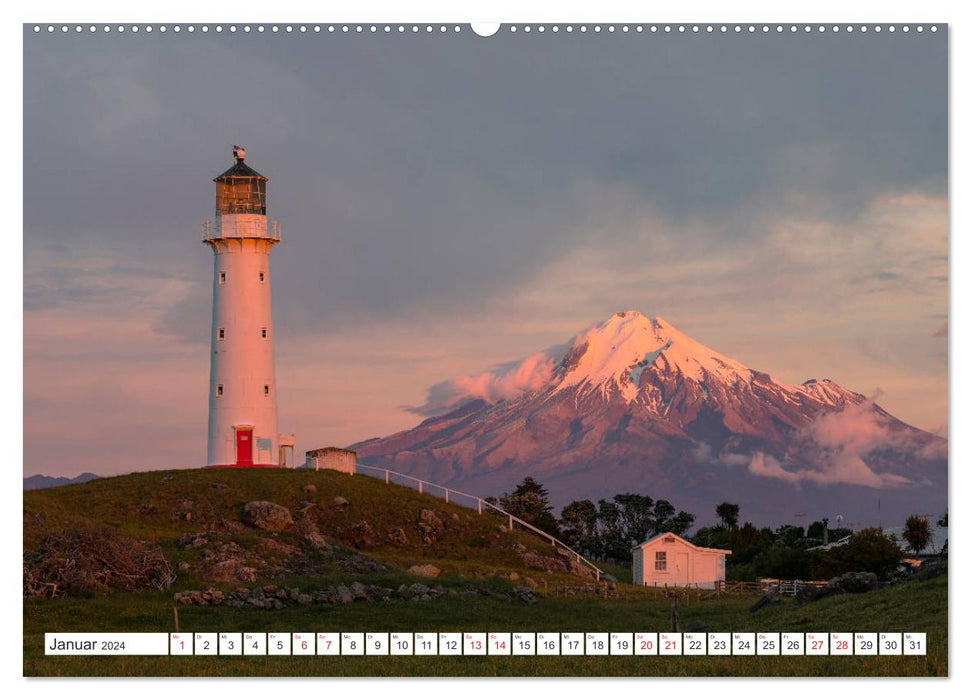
[636, 516]
[612, 538]
[578, 522]
[917, 533]
[530, 502]
[728, 514]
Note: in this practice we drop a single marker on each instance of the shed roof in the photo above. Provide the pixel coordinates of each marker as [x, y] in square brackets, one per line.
[695, 547]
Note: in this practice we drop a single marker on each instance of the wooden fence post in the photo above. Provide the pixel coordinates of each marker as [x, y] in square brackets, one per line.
[480, 505]
[421, 486]
[446, 495]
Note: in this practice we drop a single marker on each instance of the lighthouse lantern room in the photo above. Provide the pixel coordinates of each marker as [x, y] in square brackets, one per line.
[242, 377]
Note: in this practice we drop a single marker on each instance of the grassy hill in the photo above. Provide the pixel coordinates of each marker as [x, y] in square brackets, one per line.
[473, 552]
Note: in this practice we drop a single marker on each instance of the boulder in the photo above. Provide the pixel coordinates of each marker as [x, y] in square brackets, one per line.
[267, 516]
[769, 599]
[310, 488]
[340, 502]
[425, 570]
[397, 537]
[430, 526]
[359, 535]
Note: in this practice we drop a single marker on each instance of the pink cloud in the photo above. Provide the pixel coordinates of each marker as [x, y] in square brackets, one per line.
[504, 382]
[844, 439]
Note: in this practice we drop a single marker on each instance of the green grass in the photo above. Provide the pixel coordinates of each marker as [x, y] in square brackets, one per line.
[910, 607]
[149, 506]
[471, 551]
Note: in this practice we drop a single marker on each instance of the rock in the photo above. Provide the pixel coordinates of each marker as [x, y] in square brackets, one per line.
[525, 594]
[293, 594]
[307, 529]
[304, 599]
[512, 576]
[267, 516]
[359, 535]
[184, 566]
[343, 595]
[219, 487]
[189, 540]
[270, 588]
[397, 537]
[310, 488]
[425, 570]
[340, 502]
[808, 594]
[430, 525]
[359, 591]
[769, 599]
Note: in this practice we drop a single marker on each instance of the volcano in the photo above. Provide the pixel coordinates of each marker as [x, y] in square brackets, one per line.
[634, 405]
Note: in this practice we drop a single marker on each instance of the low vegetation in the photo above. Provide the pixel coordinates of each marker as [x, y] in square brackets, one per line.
[356, 554]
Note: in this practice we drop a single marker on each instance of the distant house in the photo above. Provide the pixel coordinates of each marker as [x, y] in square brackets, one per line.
[333, 458]
[672, 560]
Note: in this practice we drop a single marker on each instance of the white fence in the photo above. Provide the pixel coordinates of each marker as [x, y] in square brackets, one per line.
[451, 495]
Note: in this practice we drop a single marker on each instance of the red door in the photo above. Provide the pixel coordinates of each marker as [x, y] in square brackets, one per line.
[244, 446]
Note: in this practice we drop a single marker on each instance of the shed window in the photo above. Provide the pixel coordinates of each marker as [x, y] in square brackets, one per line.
[660, 561]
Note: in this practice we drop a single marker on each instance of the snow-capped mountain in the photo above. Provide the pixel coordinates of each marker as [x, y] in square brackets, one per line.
[634, 405]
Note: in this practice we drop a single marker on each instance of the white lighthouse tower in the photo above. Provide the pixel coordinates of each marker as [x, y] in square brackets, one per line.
[242, 378]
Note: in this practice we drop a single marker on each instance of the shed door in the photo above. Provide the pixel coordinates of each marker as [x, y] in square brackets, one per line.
[244, 446]
[684, 575]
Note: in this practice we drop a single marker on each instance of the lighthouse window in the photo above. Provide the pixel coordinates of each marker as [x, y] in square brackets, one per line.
[222, 333]
[219, 390]
[222, 278]
[262, 277]
[266, 390]
[263, 332]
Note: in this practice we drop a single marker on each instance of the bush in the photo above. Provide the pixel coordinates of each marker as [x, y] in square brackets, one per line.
[867, 550]
[87, 560]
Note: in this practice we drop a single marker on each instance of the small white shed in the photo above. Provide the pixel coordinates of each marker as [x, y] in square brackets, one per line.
[672, 560]
[333, 458]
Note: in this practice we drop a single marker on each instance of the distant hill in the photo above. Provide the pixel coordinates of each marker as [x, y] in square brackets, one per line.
[39, 481]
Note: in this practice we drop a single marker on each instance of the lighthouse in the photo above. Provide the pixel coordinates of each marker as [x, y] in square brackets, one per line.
[242, 375]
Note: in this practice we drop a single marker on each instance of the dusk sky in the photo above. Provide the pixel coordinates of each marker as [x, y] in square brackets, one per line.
[451, 203]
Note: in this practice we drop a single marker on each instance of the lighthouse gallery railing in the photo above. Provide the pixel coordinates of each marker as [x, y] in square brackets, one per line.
[245, 228]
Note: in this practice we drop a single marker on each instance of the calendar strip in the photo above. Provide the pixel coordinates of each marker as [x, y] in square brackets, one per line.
[518, 644]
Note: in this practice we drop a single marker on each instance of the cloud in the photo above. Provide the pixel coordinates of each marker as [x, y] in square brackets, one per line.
[842, 441]
[504, 382]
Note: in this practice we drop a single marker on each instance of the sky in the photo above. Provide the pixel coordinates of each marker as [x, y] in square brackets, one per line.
[451, 203]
